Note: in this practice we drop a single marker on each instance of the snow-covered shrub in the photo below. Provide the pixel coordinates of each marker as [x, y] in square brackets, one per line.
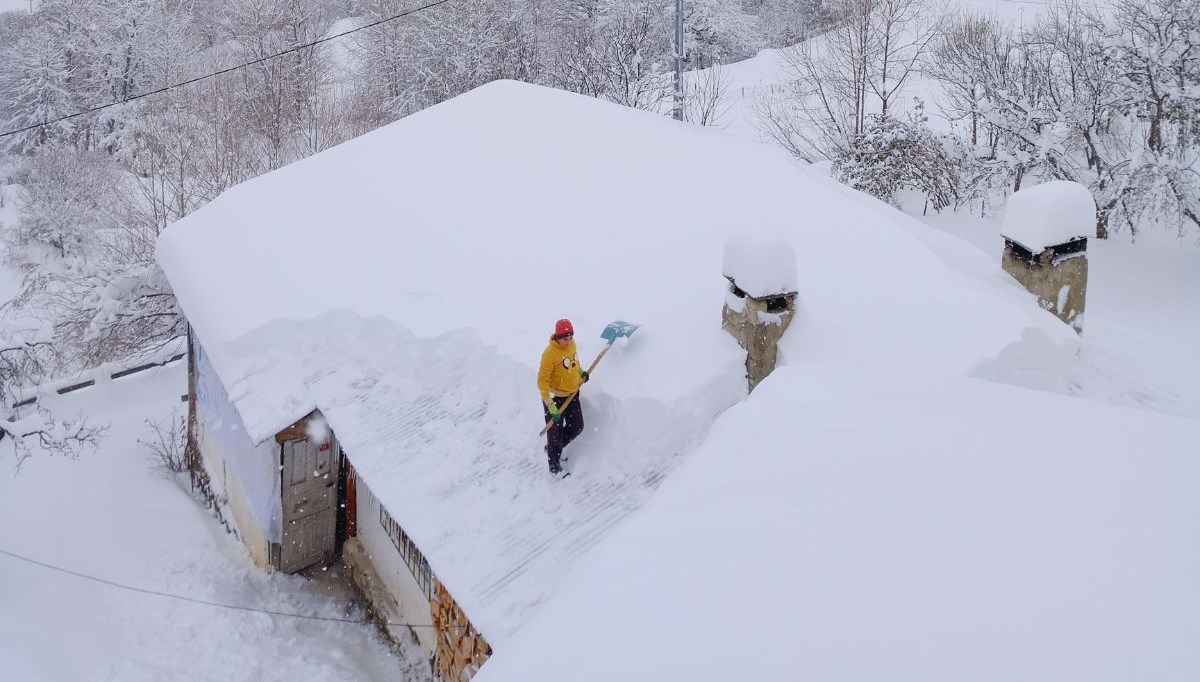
[893, 154]
[859, 66]
[706, 99]
[168, 443]
[68, 196]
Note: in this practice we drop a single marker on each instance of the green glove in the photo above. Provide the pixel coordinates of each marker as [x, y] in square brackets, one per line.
[555, 415]
[584, 373]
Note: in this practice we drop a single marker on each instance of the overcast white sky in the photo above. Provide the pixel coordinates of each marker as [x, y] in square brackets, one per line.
[8, 5]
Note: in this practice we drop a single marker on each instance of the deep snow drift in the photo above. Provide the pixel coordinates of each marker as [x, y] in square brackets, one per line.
[865, 523]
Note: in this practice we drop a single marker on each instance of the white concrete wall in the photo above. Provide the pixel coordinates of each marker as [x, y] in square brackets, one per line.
[244, 476]
[229, 491]
[391, 568]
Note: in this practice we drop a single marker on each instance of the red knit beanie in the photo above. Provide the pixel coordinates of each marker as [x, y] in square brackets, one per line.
[563, 328]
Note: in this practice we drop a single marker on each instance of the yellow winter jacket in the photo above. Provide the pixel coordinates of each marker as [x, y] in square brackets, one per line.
[560, 374]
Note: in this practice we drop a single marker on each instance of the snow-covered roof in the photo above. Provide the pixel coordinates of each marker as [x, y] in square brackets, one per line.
[872, 524]
[1049, 214]
[406, 282]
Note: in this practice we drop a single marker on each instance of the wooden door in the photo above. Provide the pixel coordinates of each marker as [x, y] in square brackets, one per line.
[309, 504]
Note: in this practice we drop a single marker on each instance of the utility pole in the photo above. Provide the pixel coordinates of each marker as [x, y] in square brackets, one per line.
[678, 60]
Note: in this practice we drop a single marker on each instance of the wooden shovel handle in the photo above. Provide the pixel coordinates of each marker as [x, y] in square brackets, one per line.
[572, 396]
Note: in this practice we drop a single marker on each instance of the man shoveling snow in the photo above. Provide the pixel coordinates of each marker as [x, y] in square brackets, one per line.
[559, 379]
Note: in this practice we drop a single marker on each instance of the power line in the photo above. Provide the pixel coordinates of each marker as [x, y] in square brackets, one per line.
[204, 602]
[214, 74]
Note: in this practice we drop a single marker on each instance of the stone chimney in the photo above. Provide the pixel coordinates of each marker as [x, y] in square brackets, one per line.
[1045, 245]
[761, 299]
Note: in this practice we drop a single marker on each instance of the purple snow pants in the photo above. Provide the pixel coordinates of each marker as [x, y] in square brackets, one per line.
[562, 433]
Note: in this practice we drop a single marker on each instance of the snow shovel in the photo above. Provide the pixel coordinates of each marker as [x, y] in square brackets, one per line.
[611, 333]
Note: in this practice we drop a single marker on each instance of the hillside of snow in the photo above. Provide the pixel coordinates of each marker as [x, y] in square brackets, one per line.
[865, 523]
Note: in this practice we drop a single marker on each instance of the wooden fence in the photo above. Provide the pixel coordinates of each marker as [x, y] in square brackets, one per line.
[85, 383]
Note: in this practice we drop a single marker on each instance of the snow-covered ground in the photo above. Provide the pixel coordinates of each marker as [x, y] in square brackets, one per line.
[110, 517]
[853, 523]
[880, 524]
[1138, 347]
[72, 527]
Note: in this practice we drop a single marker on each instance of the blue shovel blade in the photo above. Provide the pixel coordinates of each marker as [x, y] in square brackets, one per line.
[617, 330]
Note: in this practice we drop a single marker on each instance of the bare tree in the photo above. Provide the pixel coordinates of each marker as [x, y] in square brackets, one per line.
[970, 55]
[35, 89]
[91, 290]
[717, 30]
[1106, 101]
[455, 47]
[164, 148]
[572, 62]
[901, 34]
[168, 443]
[707, 100]
[857, 68]
[38, 430]
[633, 37]
[68, 197]
[782, 119]
[787, 22]
[41, 432]
[615, 49]
[1156, 48]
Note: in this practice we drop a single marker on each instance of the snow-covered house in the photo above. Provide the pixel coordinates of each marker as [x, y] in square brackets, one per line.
[367, 322]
